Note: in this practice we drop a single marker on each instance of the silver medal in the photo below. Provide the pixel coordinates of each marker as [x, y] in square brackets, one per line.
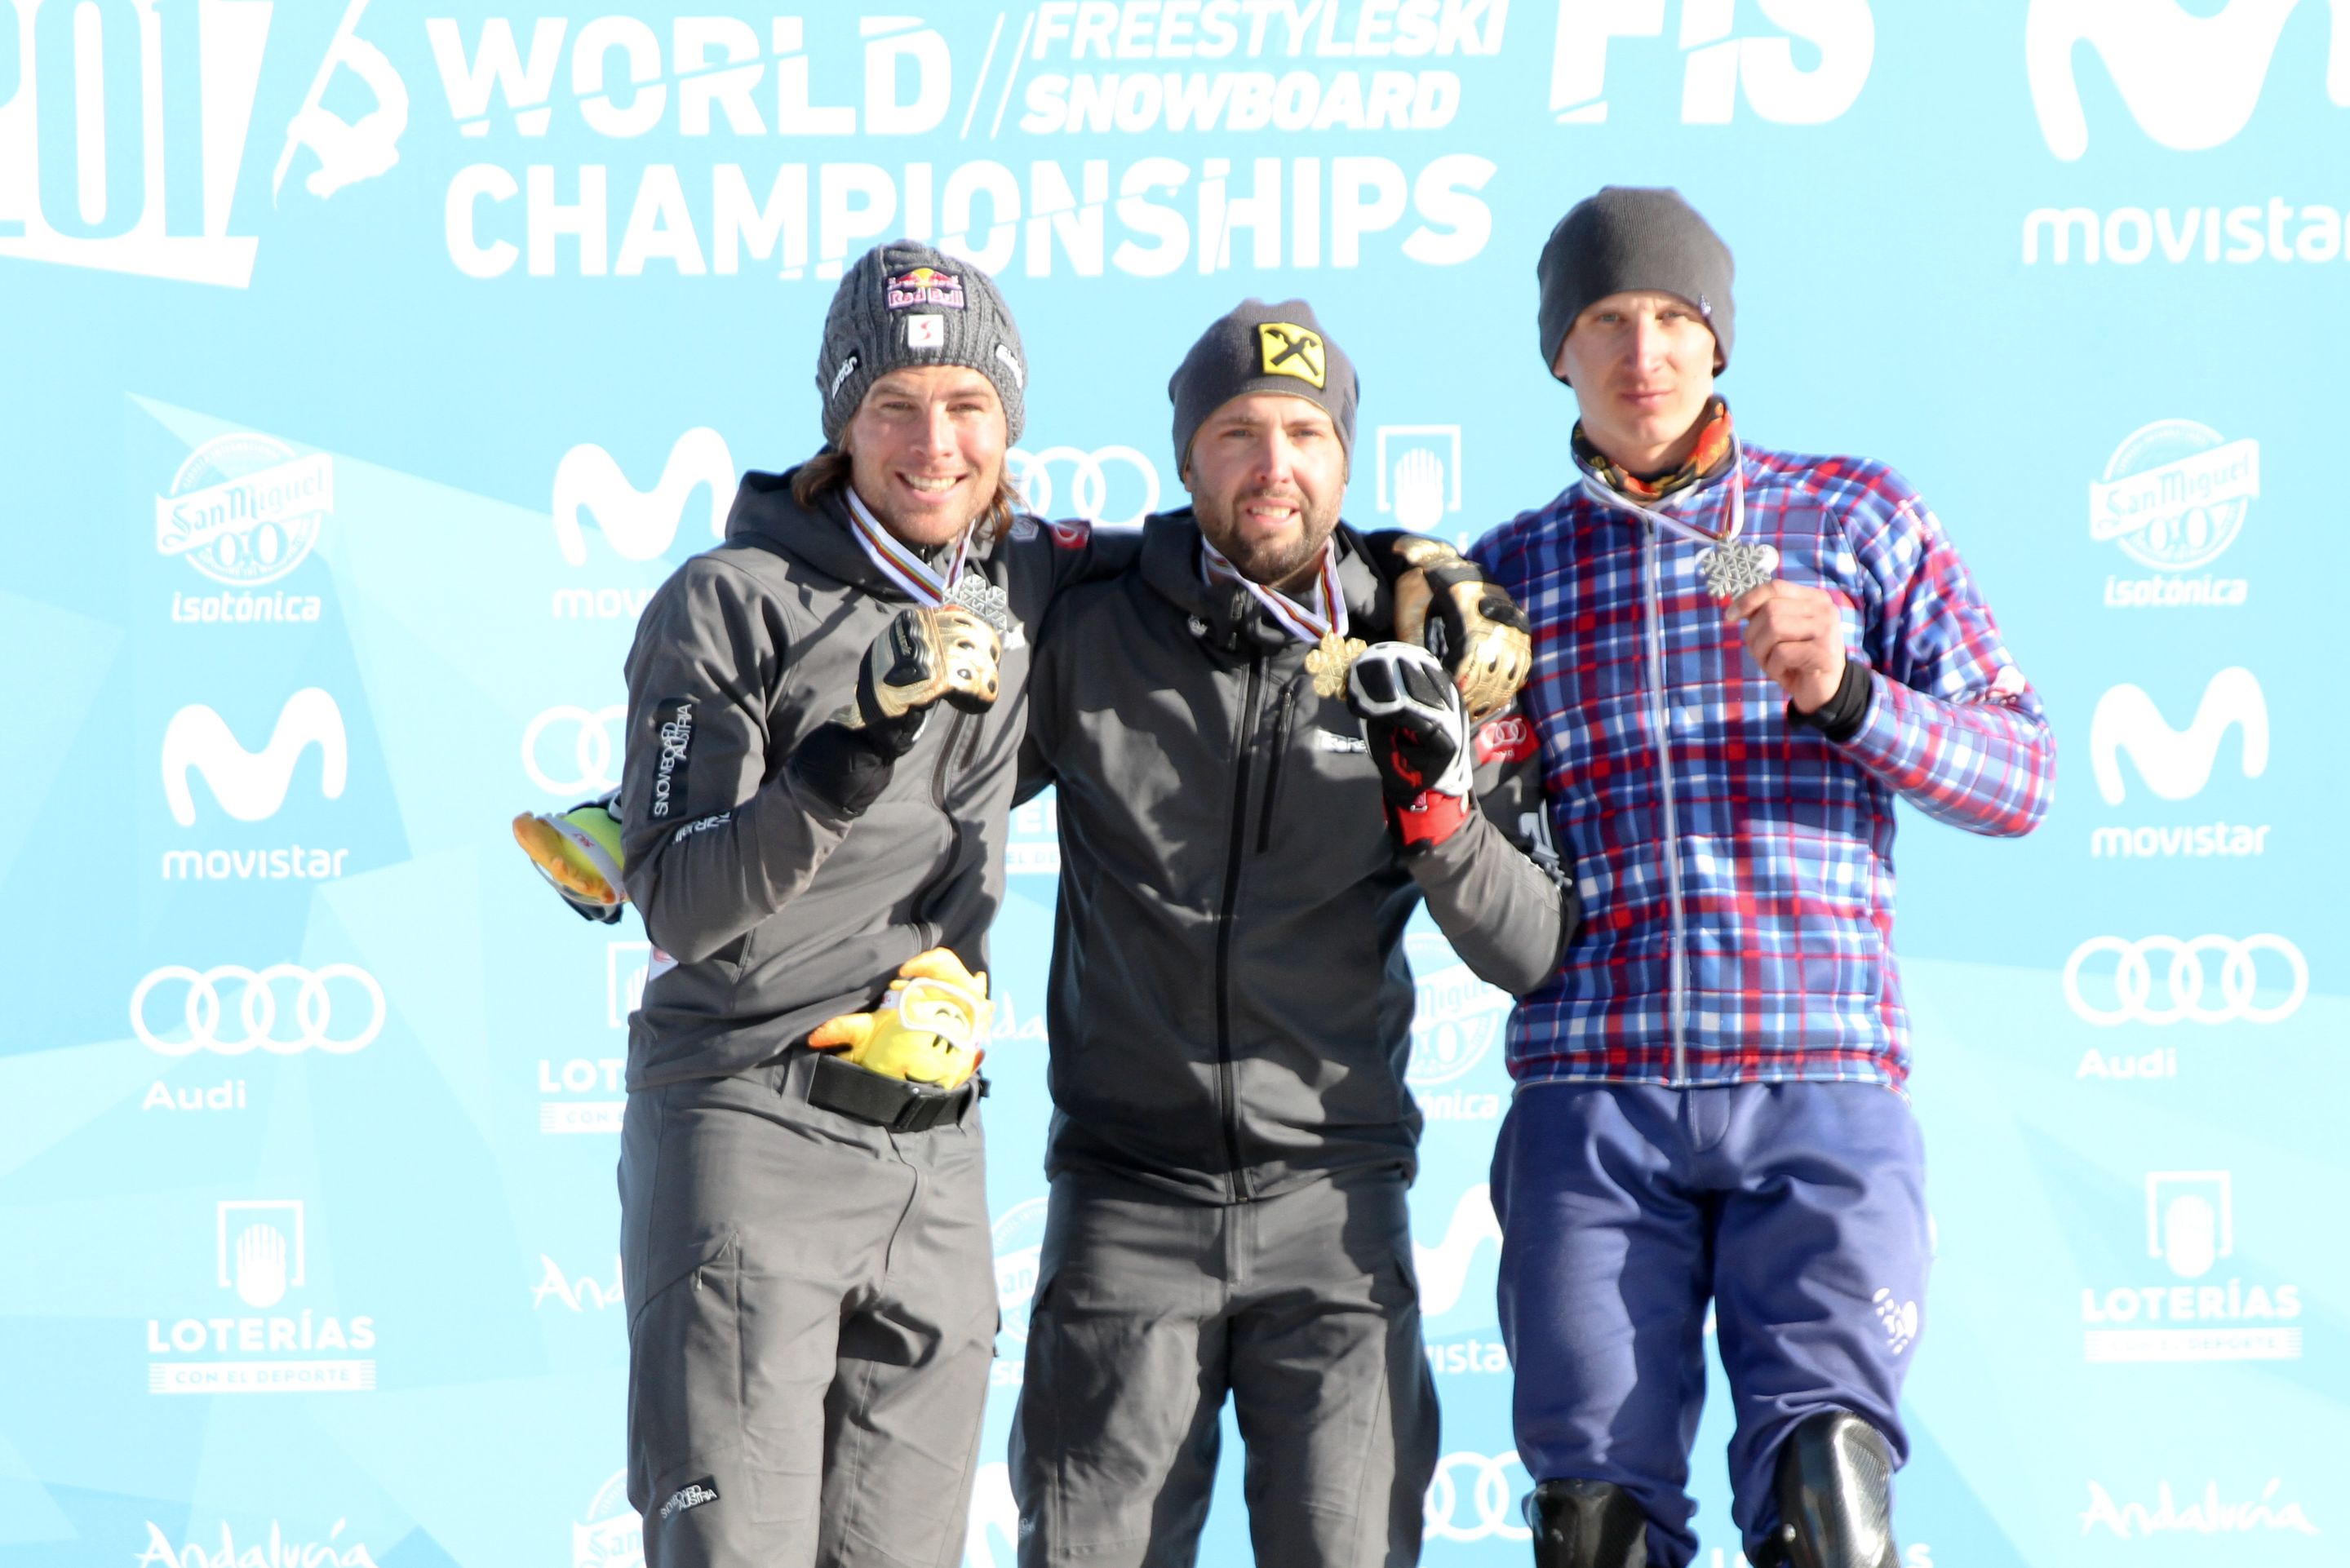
[982, 598]
[1735, 567]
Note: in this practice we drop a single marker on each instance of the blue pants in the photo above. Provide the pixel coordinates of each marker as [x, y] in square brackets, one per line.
[1799, 1208]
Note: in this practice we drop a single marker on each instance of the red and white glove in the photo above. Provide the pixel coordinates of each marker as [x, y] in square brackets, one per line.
[1417, 728]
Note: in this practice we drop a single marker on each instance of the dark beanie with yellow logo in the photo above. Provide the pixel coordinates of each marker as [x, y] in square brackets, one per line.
[1261, 347]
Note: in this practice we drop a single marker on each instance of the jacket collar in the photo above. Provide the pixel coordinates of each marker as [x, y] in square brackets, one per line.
[765, 513]
[1233, 622]
[1688, 503]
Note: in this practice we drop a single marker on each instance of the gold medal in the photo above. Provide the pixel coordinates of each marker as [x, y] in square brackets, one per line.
[1329, 661]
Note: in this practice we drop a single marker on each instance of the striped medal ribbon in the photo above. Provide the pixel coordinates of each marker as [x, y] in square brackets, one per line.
[1322, 624]
[923, 583]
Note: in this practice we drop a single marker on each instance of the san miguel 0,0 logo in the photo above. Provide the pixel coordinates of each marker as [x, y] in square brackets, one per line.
[1454, 1028]
[2174, 496]
[244, 511]
[268, 1342]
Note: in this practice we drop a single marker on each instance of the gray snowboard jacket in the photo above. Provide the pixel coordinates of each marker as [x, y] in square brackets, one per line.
[778, 912]
[1230, 1009]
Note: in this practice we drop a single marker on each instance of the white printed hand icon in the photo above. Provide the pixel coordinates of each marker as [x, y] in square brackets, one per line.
[1420, 490]
[261, 1266]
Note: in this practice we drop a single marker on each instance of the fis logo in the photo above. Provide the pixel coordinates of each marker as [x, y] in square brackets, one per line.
[123, 130]
[2177, 763]
[640, 524]
[251, 786]
[2190, 81]
[1717, 66]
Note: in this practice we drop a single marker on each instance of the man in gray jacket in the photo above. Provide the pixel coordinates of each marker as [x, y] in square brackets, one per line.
[824, 719]
[1246, 825]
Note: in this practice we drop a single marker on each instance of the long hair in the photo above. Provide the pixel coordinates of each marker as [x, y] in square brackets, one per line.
[828, 471]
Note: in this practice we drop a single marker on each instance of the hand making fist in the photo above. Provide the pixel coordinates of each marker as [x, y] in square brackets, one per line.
[1796, 636]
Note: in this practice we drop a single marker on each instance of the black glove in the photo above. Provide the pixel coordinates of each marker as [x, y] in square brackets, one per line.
[1417, 728]
[922, 658]
[1443, 602]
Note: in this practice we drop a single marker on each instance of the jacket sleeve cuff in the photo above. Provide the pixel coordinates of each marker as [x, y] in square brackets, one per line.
[1840, 718]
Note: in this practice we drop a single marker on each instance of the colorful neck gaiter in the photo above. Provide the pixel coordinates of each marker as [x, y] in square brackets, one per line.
[1713, 450]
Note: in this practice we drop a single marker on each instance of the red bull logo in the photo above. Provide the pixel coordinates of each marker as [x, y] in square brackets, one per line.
[925, 286]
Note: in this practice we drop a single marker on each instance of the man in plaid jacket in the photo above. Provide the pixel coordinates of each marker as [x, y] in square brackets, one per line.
[1742, 658]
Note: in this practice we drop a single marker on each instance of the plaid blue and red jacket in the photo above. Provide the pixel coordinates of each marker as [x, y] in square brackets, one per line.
[1737, 870]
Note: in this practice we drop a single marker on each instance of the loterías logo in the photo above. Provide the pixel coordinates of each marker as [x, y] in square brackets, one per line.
[123, 128]
[2191, 82]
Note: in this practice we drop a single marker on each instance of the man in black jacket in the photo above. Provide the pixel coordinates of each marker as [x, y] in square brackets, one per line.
[1246, 825]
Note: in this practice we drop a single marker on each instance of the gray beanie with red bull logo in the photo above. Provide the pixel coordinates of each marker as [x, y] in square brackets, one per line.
[905, 304]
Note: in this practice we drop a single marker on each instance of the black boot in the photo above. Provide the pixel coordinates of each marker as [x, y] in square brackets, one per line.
[1834, 1486]
[1586, 1524]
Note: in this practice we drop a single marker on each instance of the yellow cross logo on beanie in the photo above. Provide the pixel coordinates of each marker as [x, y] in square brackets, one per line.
[1288, 350]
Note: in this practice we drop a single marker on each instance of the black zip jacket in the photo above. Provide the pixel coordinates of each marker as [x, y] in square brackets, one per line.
[1230, 1007]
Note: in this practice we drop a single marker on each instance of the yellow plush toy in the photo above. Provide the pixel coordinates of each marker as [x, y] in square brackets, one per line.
[926, 1030]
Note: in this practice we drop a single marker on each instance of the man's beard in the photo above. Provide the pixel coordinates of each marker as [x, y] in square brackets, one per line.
[1269, 563]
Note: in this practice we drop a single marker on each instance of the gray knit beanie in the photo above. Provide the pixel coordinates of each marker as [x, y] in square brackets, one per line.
[1261, 347]
[1630, 238]
[905, 304]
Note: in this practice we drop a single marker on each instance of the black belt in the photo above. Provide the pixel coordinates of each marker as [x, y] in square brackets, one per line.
[893, 1103]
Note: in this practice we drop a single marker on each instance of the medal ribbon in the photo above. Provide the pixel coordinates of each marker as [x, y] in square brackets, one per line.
[1325, 617]
[923, 583]
[1607, 495]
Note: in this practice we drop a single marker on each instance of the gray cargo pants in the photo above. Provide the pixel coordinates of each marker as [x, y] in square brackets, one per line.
[1149, 1310]
[811, 1319]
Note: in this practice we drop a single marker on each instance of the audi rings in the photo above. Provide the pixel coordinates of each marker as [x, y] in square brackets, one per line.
[1491, 1499]
[254, 1019]
[1032, 475]
[593, 751]
[2185, 984]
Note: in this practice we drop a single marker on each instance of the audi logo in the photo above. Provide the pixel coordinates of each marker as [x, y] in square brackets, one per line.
[2175, 968]
[253, 1022]
[1483, 1483]
[1032, 475]
[593, 754]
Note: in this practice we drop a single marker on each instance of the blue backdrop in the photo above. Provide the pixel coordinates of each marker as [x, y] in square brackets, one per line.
[363, 369]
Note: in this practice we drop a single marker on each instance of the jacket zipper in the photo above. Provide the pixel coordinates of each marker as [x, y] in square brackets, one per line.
[1227, 1080]
[946, 759]
[1660, 725]
[938, 799]
[1273, 767]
